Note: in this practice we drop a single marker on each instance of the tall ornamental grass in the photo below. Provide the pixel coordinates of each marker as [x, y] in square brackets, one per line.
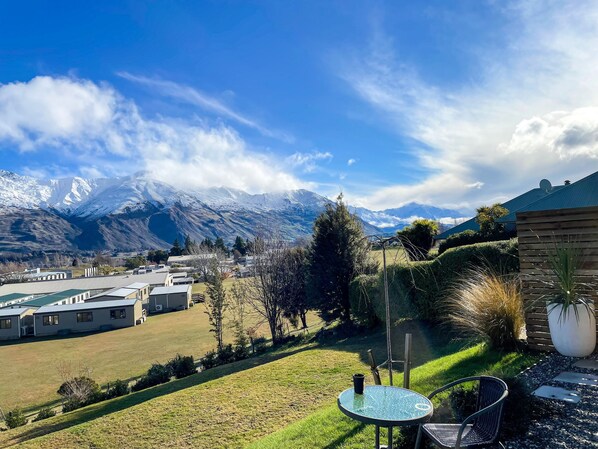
[490, 305]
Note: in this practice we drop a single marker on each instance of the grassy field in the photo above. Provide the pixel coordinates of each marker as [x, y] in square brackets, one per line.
[287, 400]
[29, 367]
[393, 256]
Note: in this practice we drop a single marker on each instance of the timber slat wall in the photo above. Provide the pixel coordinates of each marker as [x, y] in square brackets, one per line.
[537, 233]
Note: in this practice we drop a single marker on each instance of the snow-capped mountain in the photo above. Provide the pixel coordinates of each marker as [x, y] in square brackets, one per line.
[139, 212]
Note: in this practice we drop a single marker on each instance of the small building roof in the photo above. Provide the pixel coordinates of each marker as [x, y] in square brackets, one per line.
[182, 280]
[137, 285]
[17, 311]
[170, 290]
[119, 292]
[53, 298]
[12, 297]
[86, 306]
[583, 193]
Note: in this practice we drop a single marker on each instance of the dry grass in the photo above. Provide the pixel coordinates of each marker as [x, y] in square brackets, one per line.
[488, 304]
[28, 367]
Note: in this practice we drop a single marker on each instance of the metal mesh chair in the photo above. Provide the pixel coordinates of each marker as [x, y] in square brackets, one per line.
[481, 429]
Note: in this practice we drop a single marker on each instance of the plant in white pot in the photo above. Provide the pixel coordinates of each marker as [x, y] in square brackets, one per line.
[571, 317]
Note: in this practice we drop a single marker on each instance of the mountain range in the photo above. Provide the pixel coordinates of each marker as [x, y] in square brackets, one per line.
[139, 212]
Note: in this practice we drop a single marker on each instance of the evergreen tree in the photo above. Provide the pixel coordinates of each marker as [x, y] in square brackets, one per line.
[216, 303]
[418, 238]
[189, 245]
[176, 249]
[240, 246]
[486, 217]
[219, 245]
[338, 253]
[207, 243]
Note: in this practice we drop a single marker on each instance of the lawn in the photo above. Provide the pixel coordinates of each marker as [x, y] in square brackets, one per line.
[29, 367]
[286, 401]
[394, 255]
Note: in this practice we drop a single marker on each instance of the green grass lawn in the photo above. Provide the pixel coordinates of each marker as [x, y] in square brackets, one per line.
[29, 367]
[394, 255]
[285, 399]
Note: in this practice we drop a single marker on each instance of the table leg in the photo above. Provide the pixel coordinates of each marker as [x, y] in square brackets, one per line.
[377, 437]
[390, 438]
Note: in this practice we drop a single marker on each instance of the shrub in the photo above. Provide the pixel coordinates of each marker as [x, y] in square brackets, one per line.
[420, 289]
[156, 375]
[182, 366]
[470, 237]
[259, 345]
[363, 293]
[78, 392]
[418, 238]
[209, 360]
[226, 355]
[44, 413]
[488, 304]
[117, 388]
[241, 351]
[15, 418]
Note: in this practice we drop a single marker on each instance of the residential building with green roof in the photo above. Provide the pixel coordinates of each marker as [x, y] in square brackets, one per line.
[65, 297]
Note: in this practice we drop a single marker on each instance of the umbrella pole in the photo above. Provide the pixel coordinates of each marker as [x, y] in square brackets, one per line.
[387, 304]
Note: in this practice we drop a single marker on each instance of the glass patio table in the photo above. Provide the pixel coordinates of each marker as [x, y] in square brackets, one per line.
[385, 406]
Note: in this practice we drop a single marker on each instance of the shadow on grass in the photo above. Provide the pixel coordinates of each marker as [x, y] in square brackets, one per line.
[100, 409]
[341, 440]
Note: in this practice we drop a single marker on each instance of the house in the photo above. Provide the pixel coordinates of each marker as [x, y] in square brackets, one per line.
[164, 299]
[183, 280]
[36, 275]
[65, 297]
[143, 288]
[95, 285]
[13, 298]
[115, 294]
[190, 259]
[15, 323]
[87, 317]
[513, 205]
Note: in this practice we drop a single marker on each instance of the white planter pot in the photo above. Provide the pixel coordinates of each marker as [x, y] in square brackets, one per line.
[570, 336]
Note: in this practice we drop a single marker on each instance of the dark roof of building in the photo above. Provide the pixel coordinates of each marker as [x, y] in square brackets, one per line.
[53, 298]
[513, 205]
[583, 193]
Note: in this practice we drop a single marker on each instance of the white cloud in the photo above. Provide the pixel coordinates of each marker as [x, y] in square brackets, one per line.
[351, 161]
[190, 95]
[530, 112]
[93, 125]
[308, 161]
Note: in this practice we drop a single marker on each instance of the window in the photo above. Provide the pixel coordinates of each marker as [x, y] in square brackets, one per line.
[50, 320]
[118, 314]
[6, 323]
[84, 317]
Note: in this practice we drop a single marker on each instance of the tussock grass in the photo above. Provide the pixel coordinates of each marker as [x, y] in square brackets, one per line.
[488, 304]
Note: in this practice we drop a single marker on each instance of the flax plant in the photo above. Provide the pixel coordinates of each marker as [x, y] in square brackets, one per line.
[488, 304]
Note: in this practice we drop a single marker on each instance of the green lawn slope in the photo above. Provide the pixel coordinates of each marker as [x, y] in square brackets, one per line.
[289, 397]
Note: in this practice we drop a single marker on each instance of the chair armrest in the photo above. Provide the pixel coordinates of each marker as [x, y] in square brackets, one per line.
[452, 384]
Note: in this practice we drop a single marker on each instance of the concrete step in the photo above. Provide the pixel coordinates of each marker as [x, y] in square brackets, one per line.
[577, 378]
[587, 364]
[556, 393]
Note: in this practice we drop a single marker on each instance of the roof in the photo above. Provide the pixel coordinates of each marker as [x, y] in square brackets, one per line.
[182, 280]
[86, 306]
[169, 290]
[120, 292]
[53, 298]
[583, 193]
[91, 283]
[14, 312]
[191, 257]
[137, 285]
[513, 205]
[12, 297]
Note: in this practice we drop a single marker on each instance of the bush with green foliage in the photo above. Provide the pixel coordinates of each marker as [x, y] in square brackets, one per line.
[420, 289]
[226, 355]
[117, 388]
[363, 296]
[156, 375]
[44, 413]
[78, 392]
[418, 238]
[133, 262]
[487, 217]
[470, 237]
[209, 360]
[182, 366]
[15, 418]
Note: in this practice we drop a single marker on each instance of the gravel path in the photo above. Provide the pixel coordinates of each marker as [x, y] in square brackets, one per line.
[576, 426]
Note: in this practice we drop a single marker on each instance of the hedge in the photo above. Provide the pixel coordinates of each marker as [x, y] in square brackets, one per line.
[418, 290]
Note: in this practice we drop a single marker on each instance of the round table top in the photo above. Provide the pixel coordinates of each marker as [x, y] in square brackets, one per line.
[386, 406]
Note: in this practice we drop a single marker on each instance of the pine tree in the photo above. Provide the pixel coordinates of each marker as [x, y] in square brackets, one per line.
[176, 249]
[219, 245]
[338, 253]
[240, 246]
[189, 244]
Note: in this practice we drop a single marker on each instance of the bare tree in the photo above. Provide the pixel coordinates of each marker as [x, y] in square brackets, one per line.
[12, 273]
[77, 385]
[202, 257]
[238, 309]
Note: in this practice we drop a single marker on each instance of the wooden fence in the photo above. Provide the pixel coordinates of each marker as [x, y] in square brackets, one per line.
[537, 233]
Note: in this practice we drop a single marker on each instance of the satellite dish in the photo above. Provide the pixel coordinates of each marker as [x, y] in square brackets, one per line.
[546, 185]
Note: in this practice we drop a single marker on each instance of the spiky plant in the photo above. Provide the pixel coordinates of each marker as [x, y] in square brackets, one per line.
[488, 304]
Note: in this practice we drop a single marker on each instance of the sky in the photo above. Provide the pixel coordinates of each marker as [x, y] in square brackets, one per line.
[453, 104]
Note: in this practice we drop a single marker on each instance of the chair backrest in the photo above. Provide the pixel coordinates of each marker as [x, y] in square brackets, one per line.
[492, 390]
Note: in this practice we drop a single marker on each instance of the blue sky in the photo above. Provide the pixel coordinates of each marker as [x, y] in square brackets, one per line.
[446, 103]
